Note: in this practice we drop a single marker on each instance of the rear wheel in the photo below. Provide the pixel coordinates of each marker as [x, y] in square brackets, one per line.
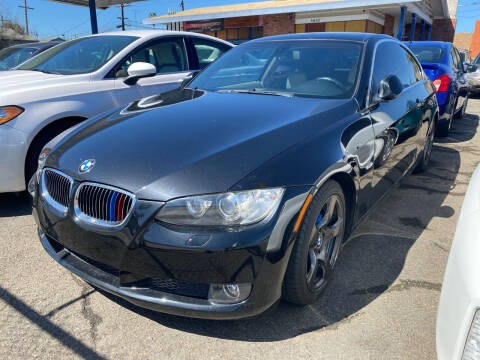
[316, 250]
[425, 156]
[463, 110]
[444, 128]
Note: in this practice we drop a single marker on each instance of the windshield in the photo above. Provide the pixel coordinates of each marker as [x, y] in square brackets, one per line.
[477, 59]
[428, 53]
[315, 68]
[11, 57]
[79, 56]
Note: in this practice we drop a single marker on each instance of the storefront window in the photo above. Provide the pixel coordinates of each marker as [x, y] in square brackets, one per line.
[238, 35]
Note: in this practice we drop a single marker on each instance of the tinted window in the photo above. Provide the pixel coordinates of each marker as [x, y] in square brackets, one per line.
[167, 55]
[392, 59]
[454, 59]
[459, 62]
[11, 57]
[477, 59]
[79, 56]
[317, 68]
[208, 51]
[416, 70]
[428, 53]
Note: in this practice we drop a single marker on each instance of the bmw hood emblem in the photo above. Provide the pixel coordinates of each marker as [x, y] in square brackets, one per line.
[86, 166]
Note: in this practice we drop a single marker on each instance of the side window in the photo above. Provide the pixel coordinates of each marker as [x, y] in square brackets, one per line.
[459, 60]
[392, 59]
[208, 51]
[167, 55]
[454, 59]
[416, 72]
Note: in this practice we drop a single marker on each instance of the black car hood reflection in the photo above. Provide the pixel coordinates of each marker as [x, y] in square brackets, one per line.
[192, 142]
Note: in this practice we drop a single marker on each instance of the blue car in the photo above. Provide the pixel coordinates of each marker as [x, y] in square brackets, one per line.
[442, 63]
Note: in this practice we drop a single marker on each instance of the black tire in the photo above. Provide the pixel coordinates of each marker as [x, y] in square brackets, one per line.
[317, 247]
[47, 134]
[426, 155]
[443, 128]
[463, 110]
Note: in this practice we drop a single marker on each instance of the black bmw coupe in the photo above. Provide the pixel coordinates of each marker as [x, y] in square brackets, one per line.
[240, 188]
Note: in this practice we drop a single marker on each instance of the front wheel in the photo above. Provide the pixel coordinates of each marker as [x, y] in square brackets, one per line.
[317, 247]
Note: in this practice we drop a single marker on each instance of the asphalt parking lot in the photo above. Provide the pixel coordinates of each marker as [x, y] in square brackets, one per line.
[381, 303]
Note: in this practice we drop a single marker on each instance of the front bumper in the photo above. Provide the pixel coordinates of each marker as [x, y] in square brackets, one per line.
[125, 261]
[13, 150]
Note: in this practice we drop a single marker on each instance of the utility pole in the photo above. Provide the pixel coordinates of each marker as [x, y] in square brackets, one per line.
[26, 14]
[93, 16]
[182, 5]
[123, 18]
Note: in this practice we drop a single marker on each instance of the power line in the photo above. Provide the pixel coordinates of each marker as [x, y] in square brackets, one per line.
[123, 18]
[470, 4]
[26, 13]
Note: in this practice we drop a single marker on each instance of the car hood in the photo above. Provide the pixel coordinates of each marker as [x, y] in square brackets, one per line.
[21, 86]
[192, 142]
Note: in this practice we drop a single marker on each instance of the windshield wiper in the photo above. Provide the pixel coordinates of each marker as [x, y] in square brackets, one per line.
[259, 92]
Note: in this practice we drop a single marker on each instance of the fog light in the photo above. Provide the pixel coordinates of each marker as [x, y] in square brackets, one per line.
[472, 346]
[229, 293]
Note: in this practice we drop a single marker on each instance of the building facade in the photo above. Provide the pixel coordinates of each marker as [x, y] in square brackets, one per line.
[408, 20]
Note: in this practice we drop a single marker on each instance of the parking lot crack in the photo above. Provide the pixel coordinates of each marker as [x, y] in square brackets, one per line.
[401, 286]
[86, 311]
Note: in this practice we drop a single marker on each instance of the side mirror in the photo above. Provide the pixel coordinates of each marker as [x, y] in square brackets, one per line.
[138, 71]
[189, 78]
[472, 68]
[390, 87]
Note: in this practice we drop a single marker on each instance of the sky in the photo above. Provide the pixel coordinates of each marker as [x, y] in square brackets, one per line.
[51, 19]
[468, 12]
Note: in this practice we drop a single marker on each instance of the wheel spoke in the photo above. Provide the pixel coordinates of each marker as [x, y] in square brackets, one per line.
[335, 228]
[312, 270]
[327, 217]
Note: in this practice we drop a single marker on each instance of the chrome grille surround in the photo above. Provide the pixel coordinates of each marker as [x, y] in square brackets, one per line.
[56, 189]
[92, 201]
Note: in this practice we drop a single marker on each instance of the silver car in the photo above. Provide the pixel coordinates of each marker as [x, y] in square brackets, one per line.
[474, 76]
[76, 80]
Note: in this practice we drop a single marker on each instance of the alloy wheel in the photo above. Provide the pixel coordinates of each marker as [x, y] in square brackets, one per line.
[325, 242]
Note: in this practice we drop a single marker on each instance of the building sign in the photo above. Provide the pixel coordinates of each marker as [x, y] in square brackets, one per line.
[208, 25]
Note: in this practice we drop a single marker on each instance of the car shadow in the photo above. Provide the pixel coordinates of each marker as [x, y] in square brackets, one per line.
[463, 129]
[15, 204]
[370, 264]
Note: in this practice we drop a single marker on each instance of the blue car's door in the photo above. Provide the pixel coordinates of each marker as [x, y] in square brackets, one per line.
[398, 123]
[461, 82]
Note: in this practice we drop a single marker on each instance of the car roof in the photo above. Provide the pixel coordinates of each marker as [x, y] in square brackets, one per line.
[156, 33]
[431, 43]
[364, 37]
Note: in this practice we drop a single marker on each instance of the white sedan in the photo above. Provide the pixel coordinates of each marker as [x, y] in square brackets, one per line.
[458, 322]
[81, 78]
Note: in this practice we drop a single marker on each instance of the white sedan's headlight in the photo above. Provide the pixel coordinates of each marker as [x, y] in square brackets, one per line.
[41, 162]
[472, 346]
[227, 209]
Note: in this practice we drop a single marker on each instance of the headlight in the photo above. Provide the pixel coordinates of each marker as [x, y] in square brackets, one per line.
[232, 208]
[472, 346]
[41, 162]
[8, 113]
